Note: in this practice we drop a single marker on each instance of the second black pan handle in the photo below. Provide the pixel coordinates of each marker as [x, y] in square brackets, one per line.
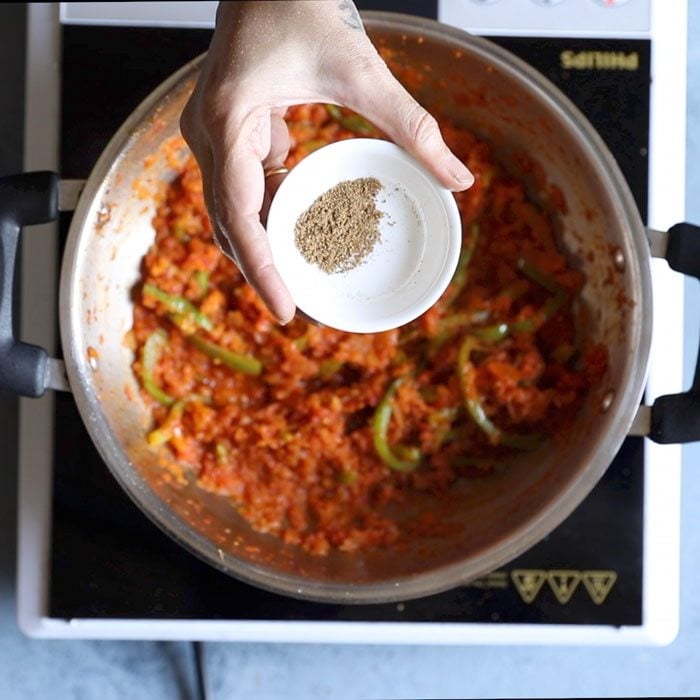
[25, 200]
[675, 418]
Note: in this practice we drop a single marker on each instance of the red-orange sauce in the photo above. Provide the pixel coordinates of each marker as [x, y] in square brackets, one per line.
[294, 446]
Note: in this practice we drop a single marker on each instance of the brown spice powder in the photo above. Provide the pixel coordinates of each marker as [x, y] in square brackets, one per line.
[340, 229]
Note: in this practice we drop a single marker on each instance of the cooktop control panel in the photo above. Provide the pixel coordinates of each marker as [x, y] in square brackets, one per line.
[618, 18]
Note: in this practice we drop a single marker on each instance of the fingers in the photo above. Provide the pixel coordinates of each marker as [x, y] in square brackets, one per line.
[387, 104]
[272, 183]
[279, 142]
[234, 187]
[238, 188]
[279, 150]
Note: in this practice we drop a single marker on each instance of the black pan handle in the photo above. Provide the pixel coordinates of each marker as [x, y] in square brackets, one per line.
[675, 418]
[25, 200]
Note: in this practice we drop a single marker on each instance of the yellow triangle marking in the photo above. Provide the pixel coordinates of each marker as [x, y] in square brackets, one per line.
[563, 583]
[599, 584]
[528, 582]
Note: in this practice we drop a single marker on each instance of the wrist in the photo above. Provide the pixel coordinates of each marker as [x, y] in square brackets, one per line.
[342, 11]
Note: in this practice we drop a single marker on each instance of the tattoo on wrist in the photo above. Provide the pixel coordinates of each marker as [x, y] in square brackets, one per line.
[350, 15]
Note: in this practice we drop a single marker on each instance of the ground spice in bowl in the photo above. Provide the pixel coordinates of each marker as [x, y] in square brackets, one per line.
[340, 229]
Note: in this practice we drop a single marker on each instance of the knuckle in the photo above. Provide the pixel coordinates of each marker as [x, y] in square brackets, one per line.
[421, 126]
[264, 269]
[198, 125]
[215, 122]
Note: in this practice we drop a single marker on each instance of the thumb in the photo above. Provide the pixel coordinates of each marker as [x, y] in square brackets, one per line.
[380, 97]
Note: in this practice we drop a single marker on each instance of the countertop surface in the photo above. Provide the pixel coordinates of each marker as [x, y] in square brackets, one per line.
[106, 669]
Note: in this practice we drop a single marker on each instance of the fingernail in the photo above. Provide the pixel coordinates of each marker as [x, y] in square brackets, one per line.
[460, 173]
[287, 318]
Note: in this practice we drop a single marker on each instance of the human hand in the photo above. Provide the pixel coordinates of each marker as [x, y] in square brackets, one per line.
[263, 58]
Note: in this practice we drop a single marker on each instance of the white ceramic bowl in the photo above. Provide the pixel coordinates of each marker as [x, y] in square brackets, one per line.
[408, 269]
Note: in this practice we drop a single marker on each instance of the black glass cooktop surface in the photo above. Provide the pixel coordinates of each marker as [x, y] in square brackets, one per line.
[109, 561]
